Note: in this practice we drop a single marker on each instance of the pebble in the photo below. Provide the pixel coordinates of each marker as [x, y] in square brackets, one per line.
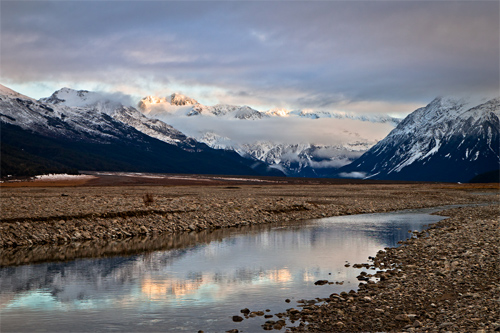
[424, 283]
[425, 301]
[34, 215]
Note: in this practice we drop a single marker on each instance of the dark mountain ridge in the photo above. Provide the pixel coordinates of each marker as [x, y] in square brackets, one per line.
[37, 137]
[448, 140]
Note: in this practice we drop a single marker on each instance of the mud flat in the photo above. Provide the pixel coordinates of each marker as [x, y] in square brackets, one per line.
[86, 215]
[446, 279]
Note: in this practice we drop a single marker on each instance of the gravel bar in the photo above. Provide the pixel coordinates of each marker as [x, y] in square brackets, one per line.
[445, 279]
[62, 215]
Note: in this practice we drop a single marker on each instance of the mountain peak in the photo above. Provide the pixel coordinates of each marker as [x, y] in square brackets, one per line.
[280, 112]
[71, 97]
[148, 101]
[179, 99]
[450, 139]
[175, 99]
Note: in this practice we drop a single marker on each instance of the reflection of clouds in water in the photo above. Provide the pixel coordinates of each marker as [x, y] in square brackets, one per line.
[249, 259]
[280, 275]
[162, 289]
[206, 285]
[267, 266]
[309, 276]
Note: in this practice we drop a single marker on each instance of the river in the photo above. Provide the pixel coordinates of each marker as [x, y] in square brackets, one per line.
[195, 285]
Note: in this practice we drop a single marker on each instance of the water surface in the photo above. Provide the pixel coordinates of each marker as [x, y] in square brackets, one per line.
[200, 281]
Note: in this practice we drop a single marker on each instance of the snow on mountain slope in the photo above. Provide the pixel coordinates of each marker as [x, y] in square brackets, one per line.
[280, 112]
[164, 107]
[224, 110]
[449, 140]
[300, 159]
[102, 135]
[70, 97]
[59, 120]
[154, 128]
[303, 159]
[344, 115]
[97, 114]
[175, 99]
[179, 99]
[269, 136]
[98, 103]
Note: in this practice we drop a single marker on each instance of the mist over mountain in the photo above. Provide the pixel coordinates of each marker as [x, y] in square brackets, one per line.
[451, 139]
[76, 130]
[299, 143]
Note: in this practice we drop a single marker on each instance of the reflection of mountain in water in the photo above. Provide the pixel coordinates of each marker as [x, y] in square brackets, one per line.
[211, 264]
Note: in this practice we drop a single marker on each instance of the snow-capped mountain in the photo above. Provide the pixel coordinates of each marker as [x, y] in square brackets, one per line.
[78, 130]
[71, 97]
[175, 99]
[97, 103]
[61, 121]
[303, 160]
[164, 107]
[448, 140]
[280, 112]
[295, 157]
[179, 99]
[224, 110]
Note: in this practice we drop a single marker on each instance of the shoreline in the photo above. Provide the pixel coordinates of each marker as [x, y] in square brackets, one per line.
[444, 279]
[86, 216]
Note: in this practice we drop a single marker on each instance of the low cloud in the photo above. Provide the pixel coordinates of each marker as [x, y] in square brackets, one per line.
[118, 97]
[289, 130]
[354, 174]
[326, 152]
[330, 164]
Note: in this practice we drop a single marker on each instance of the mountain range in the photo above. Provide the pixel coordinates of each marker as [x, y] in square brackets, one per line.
[222, 126]
[450, 139]
[50, 136]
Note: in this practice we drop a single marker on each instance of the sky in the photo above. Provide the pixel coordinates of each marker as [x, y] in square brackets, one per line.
[386, 57]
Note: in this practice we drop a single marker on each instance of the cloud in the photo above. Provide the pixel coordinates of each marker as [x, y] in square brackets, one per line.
[280, 54]
[330, 164]
[289, 130]
[332, 151]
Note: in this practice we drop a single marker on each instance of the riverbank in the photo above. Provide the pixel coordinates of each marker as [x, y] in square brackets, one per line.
[72, 215]
[443, 280]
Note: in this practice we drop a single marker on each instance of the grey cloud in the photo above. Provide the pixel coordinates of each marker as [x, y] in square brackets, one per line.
[329, 152]
[299, 54]
[330, 164]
